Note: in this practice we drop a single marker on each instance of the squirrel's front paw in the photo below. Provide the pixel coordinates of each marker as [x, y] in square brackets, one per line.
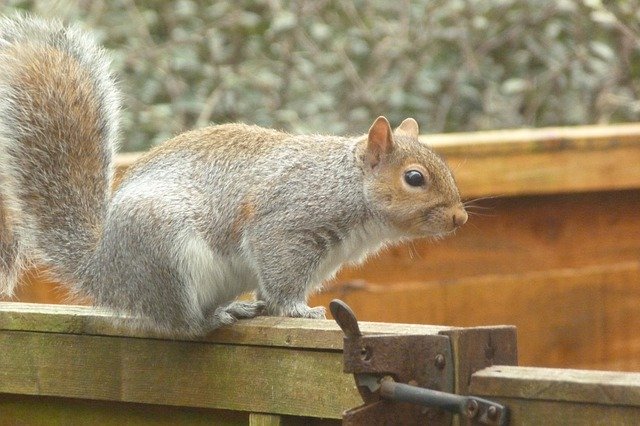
[304, 311]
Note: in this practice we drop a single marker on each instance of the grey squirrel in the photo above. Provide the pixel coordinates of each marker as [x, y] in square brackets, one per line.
[208, 215]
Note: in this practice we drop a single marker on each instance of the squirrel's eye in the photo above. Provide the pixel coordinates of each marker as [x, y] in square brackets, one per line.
[414, 178]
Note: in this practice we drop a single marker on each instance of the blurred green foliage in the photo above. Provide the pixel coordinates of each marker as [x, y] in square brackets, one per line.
[331, 66]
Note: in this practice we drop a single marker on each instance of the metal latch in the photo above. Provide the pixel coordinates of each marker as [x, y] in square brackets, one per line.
[406, 379]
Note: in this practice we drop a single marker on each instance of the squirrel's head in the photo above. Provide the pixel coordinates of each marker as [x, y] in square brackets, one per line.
[408, 184]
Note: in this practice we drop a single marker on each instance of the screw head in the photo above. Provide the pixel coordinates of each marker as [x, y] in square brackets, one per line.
[440, 361]
[365, 353]
[472, 408]
[492, 413]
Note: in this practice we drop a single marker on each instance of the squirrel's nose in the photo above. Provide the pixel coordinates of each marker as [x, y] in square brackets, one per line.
[460, 217]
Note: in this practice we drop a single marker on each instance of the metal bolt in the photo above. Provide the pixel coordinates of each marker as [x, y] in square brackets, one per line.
[365, 354]
[472, 408]
[492, 413]
[440, 361]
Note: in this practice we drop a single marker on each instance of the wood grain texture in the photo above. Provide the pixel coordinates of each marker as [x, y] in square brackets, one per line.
[518, 235]
[525, 412]
[31, 410]
[553, 384]
[188, 374]
[261, 331]
[583, 318]
[537, 396]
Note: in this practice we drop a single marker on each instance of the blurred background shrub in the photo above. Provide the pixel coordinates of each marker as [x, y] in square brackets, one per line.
[331, 66]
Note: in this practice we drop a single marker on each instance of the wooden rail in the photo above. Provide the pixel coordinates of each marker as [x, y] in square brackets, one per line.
[545, 396]
[69, 365]
[58, 358]
[556, 254]
[543, 161]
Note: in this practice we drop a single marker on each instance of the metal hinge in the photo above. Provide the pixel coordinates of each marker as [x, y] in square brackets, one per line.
[406, 379]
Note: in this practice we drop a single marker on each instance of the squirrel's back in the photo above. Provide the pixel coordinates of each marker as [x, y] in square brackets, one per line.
[58, 126]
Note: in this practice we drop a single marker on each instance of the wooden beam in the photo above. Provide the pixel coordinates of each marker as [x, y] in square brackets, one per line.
[261, 331]
[554, 384]
[276, 366]
[560, 397]
[187, 374]
[542, 161]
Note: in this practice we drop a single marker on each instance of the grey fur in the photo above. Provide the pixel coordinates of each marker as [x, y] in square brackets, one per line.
[43, 169]
[209, 215]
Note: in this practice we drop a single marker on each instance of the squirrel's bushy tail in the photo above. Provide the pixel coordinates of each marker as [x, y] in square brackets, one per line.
[58, 127]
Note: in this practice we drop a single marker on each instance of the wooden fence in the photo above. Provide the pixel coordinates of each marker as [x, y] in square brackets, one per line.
[557, 253]
[68, 365]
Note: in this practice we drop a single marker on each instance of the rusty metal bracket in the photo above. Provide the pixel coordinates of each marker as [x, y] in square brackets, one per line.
[405, 379]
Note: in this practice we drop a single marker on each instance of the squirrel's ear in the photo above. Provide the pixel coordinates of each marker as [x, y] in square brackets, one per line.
[409, 127]
[380, 142]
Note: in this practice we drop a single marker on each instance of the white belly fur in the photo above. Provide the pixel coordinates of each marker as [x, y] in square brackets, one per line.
[214, 278]
[359, 244]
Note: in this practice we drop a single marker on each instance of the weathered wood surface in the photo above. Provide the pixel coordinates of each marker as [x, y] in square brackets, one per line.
[553, 384]
[269, 367]
[490, 346]
[265, 365]
[554, 396]
[38, 410]
[258, 419]
[260, 331]
[519, 235]
[193, 374]
[543, 161]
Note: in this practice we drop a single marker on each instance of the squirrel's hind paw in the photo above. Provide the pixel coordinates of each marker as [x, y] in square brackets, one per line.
[225, 315]
[304, 311]
[243, 310]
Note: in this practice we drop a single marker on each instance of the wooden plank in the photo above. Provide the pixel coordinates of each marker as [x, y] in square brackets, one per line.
[554, 384]
[31, 410]
[583, 317]
[269, 331]
[523, 412]
[543, 161]
[189, 374]
[559, 397]
[519, 235]
[525, 140]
